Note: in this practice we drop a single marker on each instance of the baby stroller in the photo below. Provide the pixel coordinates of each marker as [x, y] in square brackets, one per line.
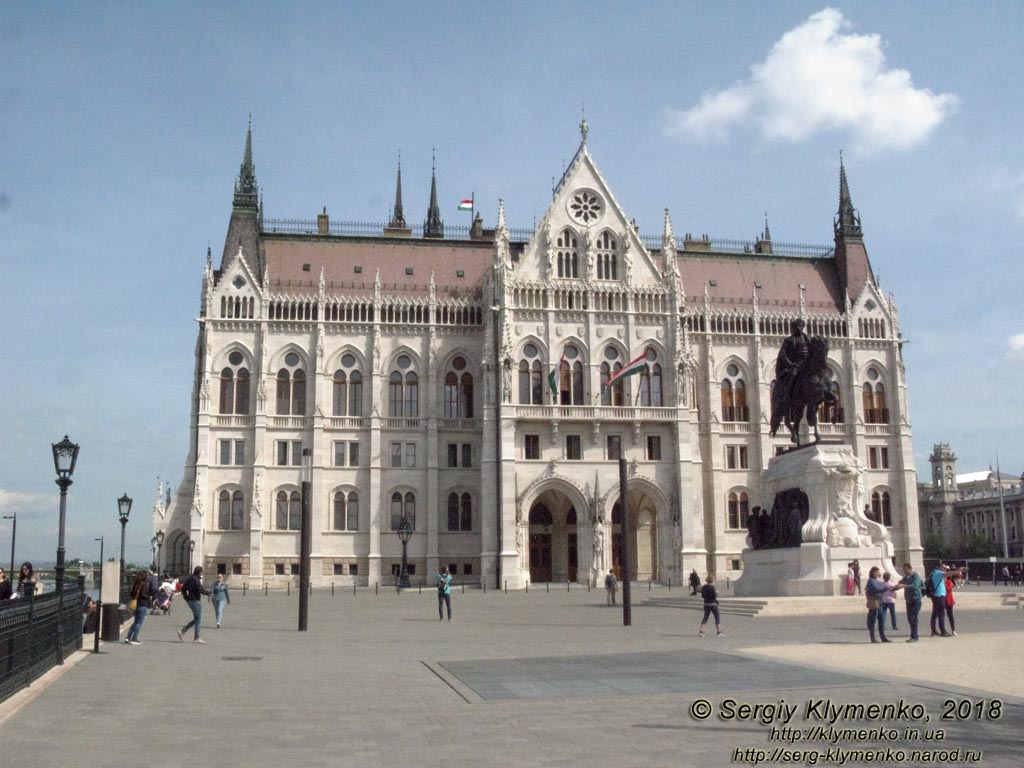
[164, 596]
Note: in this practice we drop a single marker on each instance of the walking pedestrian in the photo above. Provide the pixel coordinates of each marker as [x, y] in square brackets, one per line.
[1006, 576]
[142, 597]
[192, 591]
[220, 597]
[710, 595]
[849, 579]
[611, 584]
[444, 593]
[856, 575]
[911, 585]
[875, 589]
[694, 582]
[888, 602]
[27, 582]
[938, 585]
[951, 577]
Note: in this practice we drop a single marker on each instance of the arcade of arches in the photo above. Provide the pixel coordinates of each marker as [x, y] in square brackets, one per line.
[564, 544]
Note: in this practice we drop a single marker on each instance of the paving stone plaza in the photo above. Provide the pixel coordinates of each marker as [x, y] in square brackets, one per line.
[522, 679]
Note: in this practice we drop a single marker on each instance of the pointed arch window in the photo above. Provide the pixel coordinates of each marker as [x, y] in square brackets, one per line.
[531, 378]
[570, 377]
[346, 511]
[734, 395]
[348, 388]
[650, 382]
[289, 511]
[403, 506]
[567, 254]
[291, 387]
[832, 414]
[403, 389]
[234, 385]
[738, 507]
[607, 257]
[881, 508]
[458, 391]
[460, 512]
[614, 395]
[876, 410]
[231, 511]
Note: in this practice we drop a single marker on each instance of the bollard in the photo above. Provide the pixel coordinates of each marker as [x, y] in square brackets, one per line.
[547, 587]
[484, 583]
[376, 587]
[353, 589]
[506, 586]
[463, 586]
[566, 585]
[265, 587]
[648, 585]
[670, 584]
[244, 585]
[527, 586]
[726, 582]
[419, 588]
[588, 585]
[289, 587]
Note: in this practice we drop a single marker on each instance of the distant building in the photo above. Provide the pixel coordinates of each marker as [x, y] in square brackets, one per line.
[468, 379]
[959, 506]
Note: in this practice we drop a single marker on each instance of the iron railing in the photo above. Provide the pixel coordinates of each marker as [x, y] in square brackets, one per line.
[523, 234]
[30, 643]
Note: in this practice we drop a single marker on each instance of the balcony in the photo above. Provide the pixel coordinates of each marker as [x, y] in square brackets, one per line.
[879, 430]
[345, 422]
[592, 413]
[395, 422]
[230, 420]
[290, 422]
[459, 425]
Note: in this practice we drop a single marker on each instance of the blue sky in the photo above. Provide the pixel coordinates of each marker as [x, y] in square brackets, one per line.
[123, 128]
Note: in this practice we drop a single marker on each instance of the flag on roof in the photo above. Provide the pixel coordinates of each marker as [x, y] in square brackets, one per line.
[465, 205]
[631, 368]
[553, 376]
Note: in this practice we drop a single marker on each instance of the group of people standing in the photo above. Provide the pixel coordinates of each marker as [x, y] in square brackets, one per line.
[27, 584]
[145, 591]
[881, 599]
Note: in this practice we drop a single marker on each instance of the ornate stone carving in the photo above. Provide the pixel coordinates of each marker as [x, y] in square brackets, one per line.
[627, 259]
[506, 380]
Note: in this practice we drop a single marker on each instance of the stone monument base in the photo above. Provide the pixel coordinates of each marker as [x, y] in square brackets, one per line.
[810, 570]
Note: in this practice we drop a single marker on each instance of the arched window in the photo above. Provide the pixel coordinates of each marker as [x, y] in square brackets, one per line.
[881, 509]
[403, 389]
[607, 257]
[616, 393]
[531, 378]
[346, 511]
[738, 503]
[541, 515]
[567, 254]
[291, 387]
[460, 512]
[650, 381]
[875, 408]
[403, 506]
[237, 511]
[289, 511]
[234, 385]
[458, 391]
[734, 395]
[832, 414]
[570, 377]
[348, 388]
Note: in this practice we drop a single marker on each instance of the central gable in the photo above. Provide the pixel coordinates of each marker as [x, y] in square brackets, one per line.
[585, 236]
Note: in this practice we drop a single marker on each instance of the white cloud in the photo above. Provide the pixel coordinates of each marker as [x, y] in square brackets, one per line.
[819, 77]
[27, 504]
[1016, 345]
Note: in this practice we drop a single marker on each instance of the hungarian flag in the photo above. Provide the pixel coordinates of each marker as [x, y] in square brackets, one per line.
[632, 368]
[553, 376]
[465, 205]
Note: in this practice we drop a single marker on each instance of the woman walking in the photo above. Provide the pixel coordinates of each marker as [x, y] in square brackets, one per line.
[950, 602]
[888, 602]
[220, 597]
[710, 595]
[444, 594]
[141, 596]
[27, 582]
[193, 592]
[875, 589]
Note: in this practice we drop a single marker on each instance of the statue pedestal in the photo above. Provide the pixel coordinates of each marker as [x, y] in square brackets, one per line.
[835, 533]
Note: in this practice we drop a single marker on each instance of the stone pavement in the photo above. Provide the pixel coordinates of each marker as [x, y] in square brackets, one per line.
[538, 679]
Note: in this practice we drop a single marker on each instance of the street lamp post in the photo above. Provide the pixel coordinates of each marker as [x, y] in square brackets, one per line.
[191, 549]
[14, 535]
[305, 538]
[159, 547]
[124, 507]
[404, 534]
[152, 544]
[65, 455]
[99, 602]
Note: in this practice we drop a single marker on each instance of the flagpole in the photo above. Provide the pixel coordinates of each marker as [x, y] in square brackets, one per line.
[1002, 510]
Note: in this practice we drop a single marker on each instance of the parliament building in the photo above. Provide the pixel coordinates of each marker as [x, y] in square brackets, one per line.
[483, 383]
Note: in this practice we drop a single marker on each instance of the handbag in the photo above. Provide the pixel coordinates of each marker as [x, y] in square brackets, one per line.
[873, 603]
[133, 604]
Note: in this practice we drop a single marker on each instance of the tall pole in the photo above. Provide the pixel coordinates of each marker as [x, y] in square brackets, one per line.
[305, 539]
[99, 603]
[123, 524]
[63, 482]
[1002, 510]
[14, 536]
[624, 536]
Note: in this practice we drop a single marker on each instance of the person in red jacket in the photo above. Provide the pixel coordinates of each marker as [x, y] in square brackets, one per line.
[950, 602]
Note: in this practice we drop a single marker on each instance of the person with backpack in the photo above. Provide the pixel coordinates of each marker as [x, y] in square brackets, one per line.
[193, 591]
[444, 594]
[911, 585]
[936, 590]
[694, 582]
[610, 586]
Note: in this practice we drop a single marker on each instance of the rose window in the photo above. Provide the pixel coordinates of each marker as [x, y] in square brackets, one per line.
[585, 207]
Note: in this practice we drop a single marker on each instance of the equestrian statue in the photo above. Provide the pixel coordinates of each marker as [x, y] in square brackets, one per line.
[801, 382]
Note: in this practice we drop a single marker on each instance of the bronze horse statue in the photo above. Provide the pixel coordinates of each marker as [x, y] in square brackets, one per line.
[808, 388]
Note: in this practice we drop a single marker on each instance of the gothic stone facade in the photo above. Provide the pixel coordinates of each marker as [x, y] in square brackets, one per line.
[414, 367]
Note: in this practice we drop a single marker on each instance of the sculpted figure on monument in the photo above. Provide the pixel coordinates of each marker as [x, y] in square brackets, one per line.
[801, 382]
[754, 527]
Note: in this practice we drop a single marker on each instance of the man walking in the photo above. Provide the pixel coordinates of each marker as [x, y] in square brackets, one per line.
[193, 592]
[610, 585]
[694, 582]
[911, 584]
[444, 593]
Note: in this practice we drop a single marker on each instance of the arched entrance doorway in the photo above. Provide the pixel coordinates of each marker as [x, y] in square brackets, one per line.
[643, 545]
[554, 542]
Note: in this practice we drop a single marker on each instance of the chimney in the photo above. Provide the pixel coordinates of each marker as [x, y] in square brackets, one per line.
[323, 223]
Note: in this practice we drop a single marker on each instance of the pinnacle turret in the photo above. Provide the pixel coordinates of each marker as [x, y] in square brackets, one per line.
[433, 226]
[397, 215]
[246, 188]
[847, 219]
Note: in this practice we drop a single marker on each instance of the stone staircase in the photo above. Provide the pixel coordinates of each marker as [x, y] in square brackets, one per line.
[734, 606]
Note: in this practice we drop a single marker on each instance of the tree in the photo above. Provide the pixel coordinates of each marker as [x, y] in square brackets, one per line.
[935, 546]
[974, 546]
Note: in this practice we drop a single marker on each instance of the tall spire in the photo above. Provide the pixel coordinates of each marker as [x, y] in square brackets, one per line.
[847, 218]
[246, 189]
[433, 226]
[397, 215]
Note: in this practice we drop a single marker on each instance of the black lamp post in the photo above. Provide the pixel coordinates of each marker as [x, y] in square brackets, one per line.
[191, 549]
[159, 547]
[124, 507]
[305, 538]
[99, 602]
[152, 544]
[65, 455]
[404, 534]
[14, 535]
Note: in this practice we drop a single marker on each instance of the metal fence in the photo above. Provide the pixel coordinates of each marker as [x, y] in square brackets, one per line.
[37, 634]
